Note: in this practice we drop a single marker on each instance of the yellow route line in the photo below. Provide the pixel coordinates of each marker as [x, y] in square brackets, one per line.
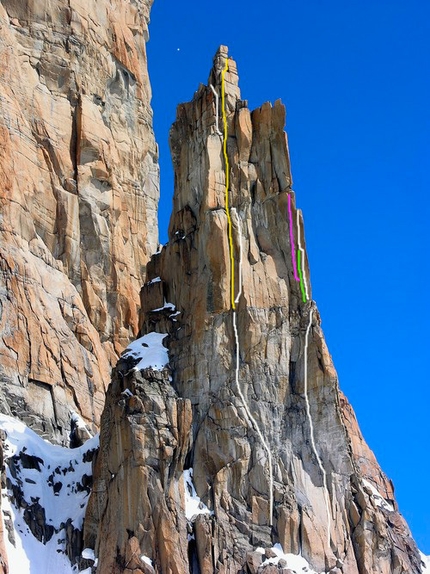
[251, 420]
[227, 184]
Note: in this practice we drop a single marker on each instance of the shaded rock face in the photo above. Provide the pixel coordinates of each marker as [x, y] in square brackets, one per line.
[276, 453]
[78, 200]
[136, 506]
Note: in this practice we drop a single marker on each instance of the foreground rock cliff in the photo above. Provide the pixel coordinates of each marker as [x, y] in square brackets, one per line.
[78, 200]
[249, 405]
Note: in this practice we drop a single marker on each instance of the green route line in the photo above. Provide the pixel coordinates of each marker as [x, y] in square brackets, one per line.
[299, 265]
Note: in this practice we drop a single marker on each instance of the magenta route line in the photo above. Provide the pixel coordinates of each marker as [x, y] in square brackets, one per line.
[293, 250]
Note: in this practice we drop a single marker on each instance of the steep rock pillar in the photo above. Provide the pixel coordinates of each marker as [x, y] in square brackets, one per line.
[238, 474]
[273, 453]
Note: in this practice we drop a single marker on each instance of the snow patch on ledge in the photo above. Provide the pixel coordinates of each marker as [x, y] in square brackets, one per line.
[88, 553]
[193, 505]
[377, 497]
[295, 562]
[149, 350]
[146, 560]
[155, 280]
[165, 306]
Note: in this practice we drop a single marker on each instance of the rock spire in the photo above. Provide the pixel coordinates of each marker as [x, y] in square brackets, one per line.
[252, 404]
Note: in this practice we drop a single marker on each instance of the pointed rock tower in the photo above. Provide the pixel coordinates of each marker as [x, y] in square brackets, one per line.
[250, 400]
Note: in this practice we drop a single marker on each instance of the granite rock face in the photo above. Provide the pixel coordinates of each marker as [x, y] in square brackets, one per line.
[78, 200]
[276, 452]
[136, 507]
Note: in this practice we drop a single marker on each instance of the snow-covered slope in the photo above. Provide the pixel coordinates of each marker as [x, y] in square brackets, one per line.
[426, 562]
[44, 503]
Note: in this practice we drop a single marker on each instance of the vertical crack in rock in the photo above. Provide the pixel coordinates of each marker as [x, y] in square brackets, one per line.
[145, 446]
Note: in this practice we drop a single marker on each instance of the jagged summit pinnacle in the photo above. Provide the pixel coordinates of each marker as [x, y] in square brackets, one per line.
[232, 78]
[219, 60]
[256, 141]
[232, 90]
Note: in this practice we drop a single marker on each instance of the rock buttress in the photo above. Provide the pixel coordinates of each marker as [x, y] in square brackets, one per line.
[78, 200]
[277, 455]
[136, 506]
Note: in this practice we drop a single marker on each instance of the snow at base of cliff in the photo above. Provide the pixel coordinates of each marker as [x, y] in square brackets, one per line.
[50, 481]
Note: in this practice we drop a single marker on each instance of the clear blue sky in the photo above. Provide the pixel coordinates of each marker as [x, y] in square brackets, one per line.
[355, 79]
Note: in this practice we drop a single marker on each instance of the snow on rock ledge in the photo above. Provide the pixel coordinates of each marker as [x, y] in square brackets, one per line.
[149, 351]
[377, 497]
[295, 563]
